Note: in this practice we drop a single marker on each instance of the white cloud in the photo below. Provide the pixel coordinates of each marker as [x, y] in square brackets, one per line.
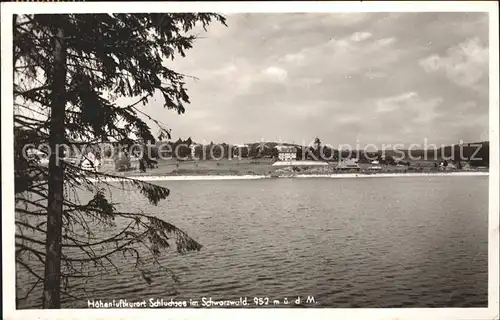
[343, 44]
[348, 119]
[426, 110]
[466, 106]
[297, 57]
[198, 114]
[345, 19]
[351, 54]
[465, 64]
[370, 74]
[360, 36]
[296, 66]
[227, 70]
[385, 42]
[421, 111]
[307, 81]
[275, 74]
[313, 109]
[431, 63]
[396, 102]
[303, 21]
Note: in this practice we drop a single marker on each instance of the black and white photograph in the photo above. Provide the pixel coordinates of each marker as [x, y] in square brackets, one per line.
[335, 158]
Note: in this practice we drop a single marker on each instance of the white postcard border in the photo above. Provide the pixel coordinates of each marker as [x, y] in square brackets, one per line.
[8, 230]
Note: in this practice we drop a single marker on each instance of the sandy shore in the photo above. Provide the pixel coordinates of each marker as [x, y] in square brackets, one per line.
[302, 176]
[392, 175]
[185, 178]
[299, 163]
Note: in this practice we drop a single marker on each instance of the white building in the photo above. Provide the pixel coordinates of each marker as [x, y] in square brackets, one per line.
[90, 162]
[451, 166]
[33, 153]
[193, 148]
[348, 164]
[286, 153]
[447, 166]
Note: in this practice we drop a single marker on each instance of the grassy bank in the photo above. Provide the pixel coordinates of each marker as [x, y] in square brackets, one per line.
[209, 167]
[260, 167]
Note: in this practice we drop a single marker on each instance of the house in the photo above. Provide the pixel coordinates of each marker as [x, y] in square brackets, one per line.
[467, 167]
[402, 163]
[43, 157]
[193, 148]
[348, 164]
[90, 162]
[375, 166]
[286, 153]
[451, 166]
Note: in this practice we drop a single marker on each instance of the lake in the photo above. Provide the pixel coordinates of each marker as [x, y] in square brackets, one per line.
[378, 242]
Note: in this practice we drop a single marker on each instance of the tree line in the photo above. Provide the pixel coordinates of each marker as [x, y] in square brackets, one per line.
[476, 154]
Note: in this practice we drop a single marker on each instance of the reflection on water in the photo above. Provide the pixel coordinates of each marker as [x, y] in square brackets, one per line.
[401, 242]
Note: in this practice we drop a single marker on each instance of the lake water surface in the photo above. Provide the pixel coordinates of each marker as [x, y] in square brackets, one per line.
[379, 242]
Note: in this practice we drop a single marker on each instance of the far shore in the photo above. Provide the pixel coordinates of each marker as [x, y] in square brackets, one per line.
[331, 176]
[247, 169]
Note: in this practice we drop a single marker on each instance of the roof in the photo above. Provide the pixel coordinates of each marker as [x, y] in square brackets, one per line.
[35, 152]
[348, 163]
[286, 148]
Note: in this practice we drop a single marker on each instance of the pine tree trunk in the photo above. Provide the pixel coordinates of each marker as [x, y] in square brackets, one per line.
[52, 279]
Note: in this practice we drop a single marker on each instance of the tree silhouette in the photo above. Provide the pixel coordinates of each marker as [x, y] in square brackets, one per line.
[317, 148]
[262, 148]
[68, 72]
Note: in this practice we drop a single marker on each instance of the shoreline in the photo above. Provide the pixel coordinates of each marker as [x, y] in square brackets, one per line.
[288, 176]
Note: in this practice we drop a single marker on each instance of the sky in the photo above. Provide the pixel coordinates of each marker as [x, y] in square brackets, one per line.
[347, 78]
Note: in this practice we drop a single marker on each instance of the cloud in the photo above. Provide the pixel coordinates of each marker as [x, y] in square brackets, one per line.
[275, 74]
[308, 81]
[431, 63]
[304, 22]
[396, 102]
[410, 103]
[199, 114]
[354, 53]
[242, 76]
[467, 106]
[336, 76]
[370, 74]
[294, 57]
[227, 70]
[465, 64]
[348, 119]
[360, 36]
[313, 109]
[345, 19]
